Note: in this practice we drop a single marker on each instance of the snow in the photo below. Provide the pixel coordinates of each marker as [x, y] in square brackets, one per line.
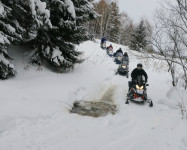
[1, 8]
[32, 5]
[47, 50]
[6, 62]
[34, 107]
[57, 55]
[41, 9]
[3, 38]
[71, 8]
[10, 28]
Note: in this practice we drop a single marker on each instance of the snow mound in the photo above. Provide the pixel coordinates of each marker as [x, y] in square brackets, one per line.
[97, 108]
[94, 109]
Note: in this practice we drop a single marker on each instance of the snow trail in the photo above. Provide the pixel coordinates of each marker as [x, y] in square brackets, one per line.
[34, 108]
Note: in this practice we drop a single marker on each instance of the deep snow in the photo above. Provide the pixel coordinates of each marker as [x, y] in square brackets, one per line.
[34, 107]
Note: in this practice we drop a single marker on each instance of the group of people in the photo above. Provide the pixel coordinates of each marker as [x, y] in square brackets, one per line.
[125, 56]
[139, 71]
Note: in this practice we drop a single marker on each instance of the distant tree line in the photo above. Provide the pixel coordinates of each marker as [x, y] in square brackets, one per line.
[118, 27]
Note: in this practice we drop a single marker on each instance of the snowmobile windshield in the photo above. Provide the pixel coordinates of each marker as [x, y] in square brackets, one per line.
[120, 54]
[140, 80]
[125, 63]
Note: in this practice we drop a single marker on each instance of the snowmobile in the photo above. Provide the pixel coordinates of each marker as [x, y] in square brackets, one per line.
[138, 92]
[109, 51]
[123, 69]
[103, 45]
[118, 59]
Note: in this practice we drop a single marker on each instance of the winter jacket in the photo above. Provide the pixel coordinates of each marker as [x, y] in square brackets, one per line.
[117, 53]
[103, 40]
[126, 58]
[138, 72]
[110, 47]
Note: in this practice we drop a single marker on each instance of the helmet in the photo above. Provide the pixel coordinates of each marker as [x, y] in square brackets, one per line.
[125, 53]
[110, 44]
[139, 65]
[120, 48]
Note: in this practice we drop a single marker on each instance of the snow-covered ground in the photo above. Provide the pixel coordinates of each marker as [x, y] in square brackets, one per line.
[34, 107]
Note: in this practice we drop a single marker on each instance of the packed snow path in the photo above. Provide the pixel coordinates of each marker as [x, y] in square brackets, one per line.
[34, 108]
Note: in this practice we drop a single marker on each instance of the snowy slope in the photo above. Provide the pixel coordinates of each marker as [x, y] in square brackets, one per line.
[34, 108]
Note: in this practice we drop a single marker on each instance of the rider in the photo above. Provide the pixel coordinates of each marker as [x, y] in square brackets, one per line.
[118, 51]
[138, 72]
[103, 40]
[110, 46]
[126, 57]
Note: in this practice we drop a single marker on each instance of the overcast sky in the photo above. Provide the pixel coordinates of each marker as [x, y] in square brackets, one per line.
[138, 8]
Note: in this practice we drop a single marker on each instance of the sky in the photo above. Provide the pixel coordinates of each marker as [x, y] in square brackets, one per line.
[138, 8]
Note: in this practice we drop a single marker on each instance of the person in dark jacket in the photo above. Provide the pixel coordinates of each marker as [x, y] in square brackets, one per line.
[138, 72]
[126, 57]
[118, 51]
[103, 40]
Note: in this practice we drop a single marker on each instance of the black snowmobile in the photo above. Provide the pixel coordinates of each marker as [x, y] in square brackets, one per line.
[123, 69]
[138, 91]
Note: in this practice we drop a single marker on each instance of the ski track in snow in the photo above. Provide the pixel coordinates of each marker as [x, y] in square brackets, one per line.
[34, 108]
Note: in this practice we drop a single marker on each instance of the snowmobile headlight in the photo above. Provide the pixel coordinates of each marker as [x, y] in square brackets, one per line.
[139, 87]
[119, 57]
[124, 67]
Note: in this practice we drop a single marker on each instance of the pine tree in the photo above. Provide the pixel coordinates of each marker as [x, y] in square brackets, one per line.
[56, 44]
[51, 28]
[139, 36]
[12, 30]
